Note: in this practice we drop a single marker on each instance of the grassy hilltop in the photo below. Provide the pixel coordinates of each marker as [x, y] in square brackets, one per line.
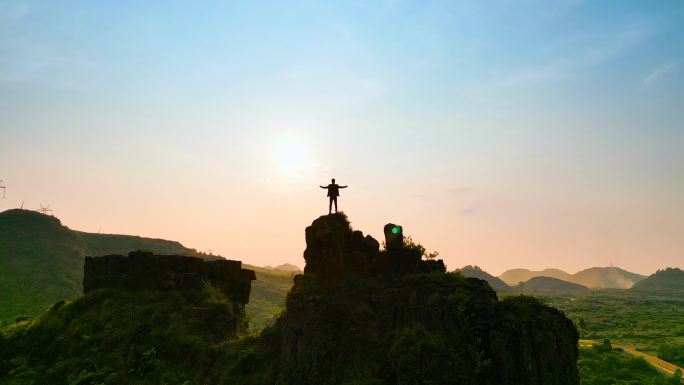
[41, 262]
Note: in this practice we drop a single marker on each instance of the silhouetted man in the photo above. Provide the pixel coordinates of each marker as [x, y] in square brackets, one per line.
[333, 193]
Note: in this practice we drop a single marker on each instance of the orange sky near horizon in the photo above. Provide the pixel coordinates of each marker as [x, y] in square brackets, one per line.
[534, 135]
[262, 221]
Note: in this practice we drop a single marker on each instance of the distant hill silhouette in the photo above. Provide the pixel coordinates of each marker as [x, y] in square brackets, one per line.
[536, 285]
[288, 267]
[595, 277]
[41, 262]
[549, 285]
[476, 272]
[515, 276]
[667, 279]
[607, 277]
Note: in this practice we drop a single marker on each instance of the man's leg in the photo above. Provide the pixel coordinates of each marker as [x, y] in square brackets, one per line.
[335, 205]
[330, 206]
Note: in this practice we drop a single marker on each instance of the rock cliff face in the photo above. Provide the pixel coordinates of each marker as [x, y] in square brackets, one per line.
[361, 315]
[142, 270]
[358, 315]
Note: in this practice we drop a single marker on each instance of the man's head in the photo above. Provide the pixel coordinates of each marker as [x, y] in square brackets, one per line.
[332, 180]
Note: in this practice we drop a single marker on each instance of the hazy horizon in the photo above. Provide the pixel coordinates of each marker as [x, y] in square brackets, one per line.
[301, 265]
[529, 135]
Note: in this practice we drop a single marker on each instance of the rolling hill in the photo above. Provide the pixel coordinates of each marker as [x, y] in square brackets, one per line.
[548, 285]
[535, 285]
[594, 277]
[668, 279]
[475, 272]
[288, 267]
[515, 276]
[41, 262]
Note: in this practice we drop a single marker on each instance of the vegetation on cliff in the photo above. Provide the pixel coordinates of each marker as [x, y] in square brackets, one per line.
[118, 336]
[358, 315]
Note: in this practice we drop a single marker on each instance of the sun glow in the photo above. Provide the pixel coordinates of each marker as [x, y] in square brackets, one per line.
[293, 156]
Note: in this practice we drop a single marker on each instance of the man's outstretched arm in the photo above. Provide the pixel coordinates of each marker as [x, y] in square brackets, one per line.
[344, 186]
[323, 186]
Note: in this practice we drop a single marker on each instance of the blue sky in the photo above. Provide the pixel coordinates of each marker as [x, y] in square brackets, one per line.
[504, 134]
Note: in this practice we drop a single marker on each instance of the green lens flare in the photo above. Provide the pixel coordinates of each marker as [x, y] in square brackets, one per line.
[395, 230]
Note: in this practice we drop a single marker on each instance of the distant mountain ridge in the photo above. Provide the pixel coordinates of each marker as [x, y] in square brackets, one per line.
[288, 267]
[667, 279]
[534, 285]
[594, 277]
[548, 285]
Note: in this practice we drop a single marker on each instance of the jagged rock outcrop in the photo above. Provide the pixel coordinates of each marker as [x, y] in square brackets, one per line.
[334, 251]
[144, 271]
[358, 315]
[361, 315]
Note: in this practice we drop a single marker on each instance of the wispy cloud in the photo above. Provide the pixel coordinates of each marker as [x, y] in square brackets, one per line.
[659, 73]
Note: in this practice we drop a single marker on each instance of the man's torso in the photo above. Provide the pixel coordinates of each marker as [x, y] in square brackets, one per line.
[333, 190]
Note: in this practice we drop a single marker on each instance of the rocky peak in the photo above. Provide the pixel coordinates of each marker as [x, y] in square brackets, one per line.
[359, 314]
[334, 250]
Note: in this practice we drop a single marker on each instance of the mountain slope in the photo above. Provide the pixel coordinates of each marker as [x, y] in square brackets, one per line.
[668, 279]
[542, 285]
[108, 244]
[41, 262]
[288, 267]
[595, 277]
[607, 277]
[475, 272]
[515, 276]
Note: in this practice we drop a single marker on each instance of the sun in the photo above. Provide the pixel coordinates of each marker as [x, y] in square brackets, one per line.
[292, 155]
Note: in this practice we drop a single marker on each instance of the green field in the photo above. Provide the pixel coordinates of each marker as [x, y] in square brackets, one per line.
[651, 321]
[646, 320]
